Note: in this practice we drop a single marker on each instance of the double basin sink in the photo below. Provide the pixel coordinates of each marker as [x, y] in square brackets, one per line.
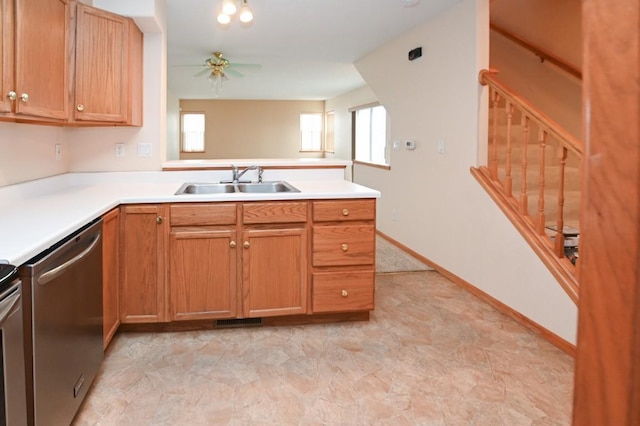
[229, 188]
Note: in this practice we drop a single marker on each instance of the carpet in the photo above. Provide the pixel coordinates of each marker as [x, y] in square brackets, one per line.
[390, 258]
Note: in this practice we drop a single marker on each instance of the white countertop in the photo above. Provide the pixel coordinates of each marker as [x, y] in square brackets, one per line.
[37, 214]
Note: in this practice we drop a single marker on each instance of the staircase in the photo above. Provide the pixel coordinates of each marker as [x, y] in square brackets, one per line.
[533, 174]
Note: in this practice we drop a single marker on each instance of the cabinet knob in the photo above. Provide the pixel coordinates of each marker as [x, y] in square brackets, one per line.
[345, 212]
[80, 107]
[232, 244]
[12, 95]
[24, 97]
[159, 219]
[245, 244]
[344, 293]
[345, 247]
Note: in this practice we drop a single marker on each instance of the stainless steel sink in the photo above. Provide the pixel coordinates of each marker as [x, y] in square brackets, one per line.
[206, 188]
[266, 187]
[228, 188]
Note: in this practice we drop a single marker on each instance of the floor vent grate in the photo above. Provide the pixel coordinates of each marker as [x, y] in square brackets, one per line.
[241, 322]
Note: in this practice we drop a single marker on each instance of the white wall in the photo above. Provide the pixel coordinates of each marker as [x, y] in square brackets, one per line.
[27, 152]
[430, 202]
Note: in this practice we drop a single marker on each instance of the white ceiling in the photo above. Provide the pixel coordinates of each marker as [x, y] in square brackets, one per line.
[306, 48]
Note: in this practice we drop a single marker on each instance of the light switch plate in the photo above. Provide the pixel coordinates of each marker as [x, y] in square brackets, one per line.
[144, 150]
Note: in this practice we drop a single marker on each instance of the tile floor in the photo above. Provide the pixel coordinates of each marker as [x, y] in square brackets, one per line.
[432, 354]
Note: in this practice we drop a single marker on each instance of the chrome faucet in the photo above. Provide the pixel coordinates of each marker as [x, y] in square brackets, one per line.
[236, 174]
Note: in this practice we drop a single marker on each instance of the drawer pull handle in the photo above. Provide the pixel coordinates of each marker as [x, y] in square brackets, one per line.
[12, 96]
[246, 244]
[159, 219]
[344, 293]
[345, 212]
[345, 247]
[232, 244]
[24, 97]
[80, 107]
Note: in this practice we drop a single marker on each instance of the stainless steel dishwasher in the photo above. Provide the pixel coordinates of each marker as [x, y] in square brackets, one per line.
[65, 329]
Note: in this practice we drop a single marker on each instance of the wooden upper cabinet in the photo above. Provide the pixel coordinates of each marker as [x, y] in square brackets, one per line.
[108, 68]
[35, 59]
[6, 55]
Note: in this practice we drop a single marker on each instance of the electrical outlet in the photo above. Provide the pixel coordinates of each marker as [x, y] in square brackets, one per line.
[119, 150]
[441, 146]
[58, 151]
[144, 150]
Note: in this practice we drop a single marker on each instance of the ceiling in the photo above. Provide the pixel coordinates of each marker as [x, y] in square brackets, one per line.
[306, 48]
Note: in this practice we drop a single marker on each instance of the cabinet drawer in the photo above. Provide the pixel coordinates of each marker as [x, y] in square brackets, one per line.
[343, 245]
[203, 214]
[274, 212]
[343, 291]
[340, 210]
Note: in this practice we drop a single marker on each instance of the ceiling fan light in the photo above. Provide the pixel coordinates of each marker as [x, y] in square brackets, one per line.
[229, 7]
[223, 18]
[246, 15]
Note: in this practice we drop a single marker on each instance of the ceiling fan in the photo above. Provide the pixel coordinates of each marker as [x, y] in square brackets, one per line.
[217, 66]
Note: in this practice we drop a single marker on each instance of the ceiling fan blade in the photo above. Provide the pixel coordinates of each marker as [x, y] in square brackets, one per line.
[233, 72]
[255, 66]
[203, 72]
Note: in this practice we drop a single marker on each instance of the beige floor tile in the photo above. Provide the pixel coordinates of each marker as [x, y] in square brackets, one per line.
[432, 354]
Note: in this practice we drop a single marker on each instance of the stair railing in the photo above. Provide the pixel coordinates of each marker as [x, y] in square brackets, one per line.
[521, 138]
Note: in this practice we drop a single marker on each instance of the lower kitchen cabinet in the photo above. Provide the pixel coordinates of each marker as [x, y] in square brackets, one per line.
[275, 272]
[246, 260]
[202, 274]
[110, 272]
[343, 256]
[343, 291]
[143, 294]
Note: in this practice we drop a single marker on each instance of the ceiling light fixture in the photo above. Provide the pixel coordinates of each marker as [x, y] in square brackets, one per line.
[228, 8]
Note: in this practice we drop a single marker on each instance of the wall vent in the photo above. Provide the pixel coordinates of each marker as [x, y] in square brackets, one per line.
[240, 322]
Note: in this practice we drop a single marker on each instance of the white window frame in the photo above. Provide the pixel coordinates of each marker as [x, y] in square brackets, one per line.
[329, 132]
[192, 140]
[311, 132]
[371, 135]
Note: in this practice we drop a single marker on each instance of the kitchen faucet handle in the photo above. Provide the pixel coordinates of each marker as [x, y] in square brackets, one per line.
[234, 173]
[260, 172]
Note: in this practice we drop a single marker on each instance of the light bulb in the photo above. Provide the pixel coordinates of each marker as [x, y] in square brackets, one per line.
[245, 13]
[224, 19]
[229, 7]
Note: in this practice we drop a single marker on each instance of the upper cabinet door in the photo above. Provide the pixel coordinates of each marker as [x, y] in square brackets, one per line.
[41, 29]
[6, 55]
[101, 74]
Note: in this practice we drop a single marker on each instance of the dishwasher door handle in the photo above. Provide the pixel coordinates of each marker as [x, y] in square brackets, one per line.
[59, 270]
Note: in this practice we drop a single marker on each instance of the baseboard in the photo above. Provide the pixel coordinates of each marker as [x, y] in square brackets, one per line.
[533, 326]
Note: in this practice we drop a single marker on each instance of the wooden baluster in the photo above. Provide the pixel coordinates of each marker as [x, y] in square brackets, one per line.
[542, 135]
[493, 161]
[559, 238]
[508, 179]
[524, 197]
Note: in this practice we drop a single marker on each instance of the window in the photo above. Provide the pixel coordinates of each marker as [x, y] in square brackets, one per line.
[329, 140]
[192, 134]
[311, 132]
[370, 135]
